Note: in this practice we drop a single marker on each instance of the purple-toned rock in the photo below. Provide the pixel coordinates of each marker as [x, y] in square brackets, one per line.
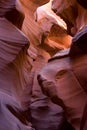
[13, 65]
[64, 77]
[72, 13]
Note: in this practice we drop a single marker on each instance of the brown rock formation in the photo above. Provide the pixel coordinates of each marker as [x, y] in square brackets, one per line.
[39, 53]
[18, 75]
[40, 49]
[13, 72]
[74, 15]
[22, 100]
[64, 77]
[77, 21]
[54, 29]
[64, 71]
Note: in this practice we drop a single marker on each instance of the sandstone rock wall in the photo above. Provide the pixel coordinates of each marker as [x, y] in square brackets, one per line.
[21, 99]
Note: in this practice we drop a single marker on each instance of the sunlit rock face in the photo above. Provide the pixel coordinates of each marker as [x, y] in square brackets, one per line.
[45, 12]
[39, 52]
[72, 12]
[54, 29]
[41, 47]
[75, 15]
[22, 59]
[56, 78]
[64, 77]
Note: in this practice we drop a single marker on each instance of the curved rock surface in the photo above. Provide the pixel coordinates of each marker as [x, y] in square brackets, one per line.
[64, 77]
[13, 51]
[35, 94]
[18, 75]
[72, 12]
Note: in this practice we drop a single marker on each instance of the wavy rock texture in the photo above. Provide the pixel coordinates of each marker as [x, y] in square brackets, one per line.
[66, 88]
[75, 16]
[64, 77]
[72, 13]
[38, 56]
[27, 104]
[40, 48]
[14, 70]
[18, 75]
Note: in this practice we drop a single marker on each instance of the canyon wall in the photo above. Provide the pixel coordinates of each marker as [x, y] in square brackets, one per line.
[42, 84]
